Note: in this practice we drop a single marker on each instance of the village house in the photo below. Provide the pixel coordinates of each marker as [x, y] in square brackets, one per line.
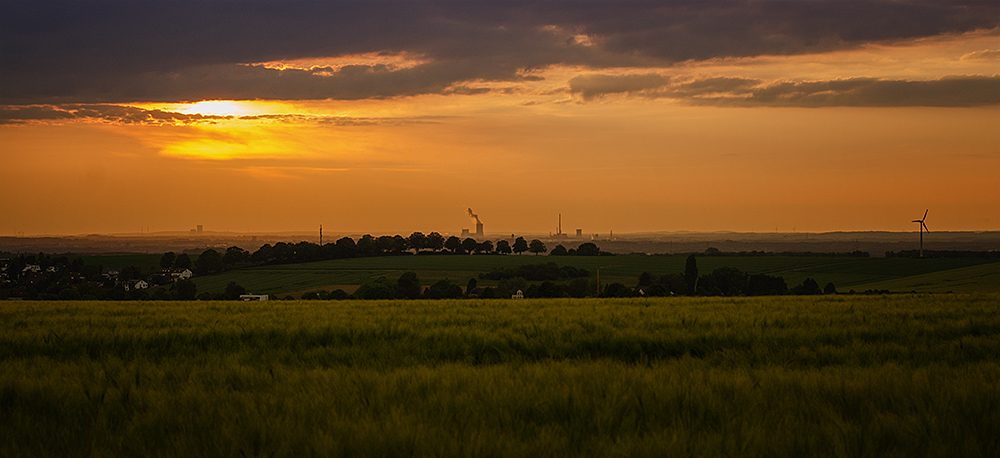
[111, 272]
[136, 284]
[176, 274]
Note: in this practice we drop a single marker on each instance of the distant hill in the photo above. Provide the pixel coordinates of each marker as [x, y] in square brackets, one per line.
[875, 243]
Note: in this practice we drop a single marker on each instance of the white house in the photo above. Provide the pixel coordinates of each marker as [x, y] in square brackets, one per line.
[136, 284]
[253, 297]
[176, 274]
[518, 295]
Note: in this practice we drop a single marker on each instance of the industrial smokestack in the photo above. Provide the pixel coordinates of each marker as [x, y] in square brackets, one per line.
[473, 215]
[479, 224]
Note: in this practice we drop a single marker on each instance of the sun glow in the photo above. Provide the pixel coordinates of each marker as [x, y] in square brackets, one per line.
[223, 108]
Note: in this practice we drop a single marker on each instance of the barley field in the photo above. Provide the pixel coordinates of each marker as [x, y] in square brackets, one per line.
[900, 375]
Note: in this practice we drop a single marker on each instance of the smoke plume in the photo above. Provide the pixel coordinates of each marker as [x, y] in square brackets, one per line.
[473, 215]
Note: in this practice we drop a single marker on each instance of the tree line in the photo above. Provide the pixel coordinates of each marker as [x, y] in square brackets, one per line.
[211, 261]
[723, 281]
[73, 280]
[570, 282]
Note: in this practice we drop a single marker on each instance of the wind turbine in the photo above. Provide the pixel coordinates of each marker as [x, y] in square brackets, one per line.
[923, 227]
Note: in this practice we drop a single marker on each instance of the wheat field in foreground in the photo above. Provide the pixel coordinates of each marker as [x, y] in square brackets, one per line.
[907, 375]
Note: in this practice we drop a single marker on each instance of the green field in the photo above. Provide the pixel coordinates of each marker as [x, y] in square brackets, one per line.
[859, 274]
[902, 375]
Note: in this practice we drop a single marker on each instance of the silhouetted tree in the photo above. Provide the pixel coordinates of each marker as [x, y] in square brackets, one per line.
[209, 262]
[399, 244]
[729, 280]
[384, 244]
[167, 260]
[546, 289]
[70, 293]
[766, 285]
[808, 287]
[409, 285]
[829, 289]
[588, 249]
[185, 290]
[130, 273]
[234, 291]
[417, 241]
[282, 253]
[503, 247]
[520, 245]
[674, 283]
[656, 290]
[443, 289]
[366, 246]
[235, 256]
[454, 244]
[469, 245]
[262, 255]
[306, 252]
[471, 286]
[435, 241]
[579, 287]
[182, 262]
[337, 295]
[559, 250]
[536, 246]
[345, 248]
[509, 286]
[484, 247]
[380, 288]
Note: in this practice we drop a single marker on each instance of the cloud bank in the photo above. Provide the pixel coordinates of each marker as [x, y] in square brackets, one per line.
[126, 115]
[120, 52]
[954, 91]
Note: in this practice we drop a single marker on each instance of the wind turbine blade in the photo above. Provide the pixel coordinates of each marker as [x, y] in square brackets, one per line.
[925, 215]
[916, 221]
[925, 226]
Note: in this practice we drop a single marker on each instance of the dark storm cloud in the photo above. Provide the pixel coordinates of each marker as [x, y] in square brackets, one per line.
[955, 91]
[964, 91]
[117, 51]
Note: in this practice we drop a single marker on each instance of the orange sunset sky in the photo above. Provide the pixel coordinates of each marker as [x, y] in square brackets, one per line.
[393, 117]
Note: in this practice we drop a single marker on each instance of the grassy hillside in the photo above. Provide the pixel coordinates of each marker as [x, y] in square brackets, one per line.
[908, 375]
[980, 278]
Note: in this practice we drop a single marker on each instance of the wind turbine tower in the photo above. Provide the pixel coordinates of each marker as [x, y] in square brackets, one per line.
[923, 227]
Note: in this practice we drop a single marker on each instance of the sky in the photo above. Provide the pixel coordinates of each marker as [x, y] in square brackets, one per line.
[398, 116]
